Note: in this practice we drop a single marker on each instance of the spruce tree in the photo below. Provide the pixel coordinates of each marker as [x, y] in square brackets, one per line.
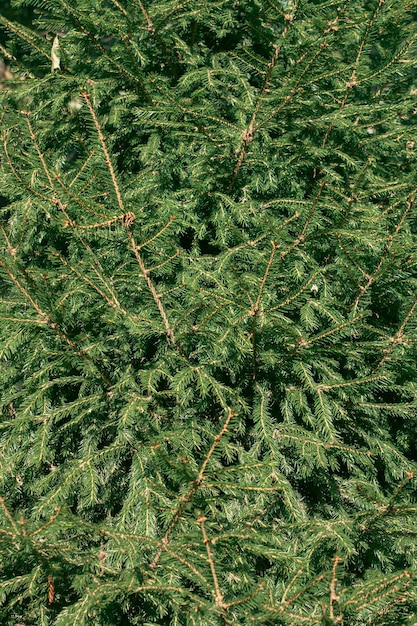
[208, 310]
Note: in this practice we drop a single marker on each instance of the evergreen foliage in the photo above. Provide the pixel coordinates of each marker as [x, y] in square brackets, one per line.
[208, 282]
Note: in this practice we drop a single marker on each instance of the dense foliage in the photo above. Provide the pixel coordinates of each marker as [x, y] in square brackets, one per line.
[208, 281]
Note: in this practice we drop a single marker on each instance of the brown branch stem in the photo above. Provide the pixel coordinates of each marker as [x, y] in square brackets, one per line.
[144, 271]
[185, 499]
[218, 596]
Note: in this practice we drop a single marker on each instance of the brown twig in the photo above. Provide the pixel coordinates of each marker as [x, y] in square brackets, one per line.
[9, 515]
[248, 133]
[144, 271]
[333, 595]
[397, 339]
[185, 499]
[218, 596]
[255, 308]
[353, 81]
[44, 317]
[371, 278]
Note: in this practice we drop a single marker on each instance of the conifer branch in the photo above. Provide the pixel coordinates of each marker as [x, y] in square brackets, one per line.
[86, 98]
[127, 218]
[374, 593]
[290, 584]
[82, 168]
[158, 234]
[161, 45]
[197, 327]
[197, 117]
[295, 296]
[295, 618]
[22, 320]
[55, 200]
[385, 510]
[312, 210]
[246, 599]
[51, 590]
[296, 89]
[156, 296]
[302, 591]
[27, 35]
[249, 132]
[333, 595]
[154, 268]
[245, 291]
[265, 277]
[328, 333]
[177, 7]
[45, 318]
[37, 148]
[111, 302]
[188, 565]
[9, 516]
[255, 308]
[145, 14]
[97, 44]
[121, 9]
[7, 55]
[144, 271]
[218, 596]
[241, 487]
[97, 268]
[372, 277]
[353, 81]
[33, 191]
[397, 339]
[185, 499]
[47, 524]
[349, 383]
[12, 250]
[396, 59]
[353, 196]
